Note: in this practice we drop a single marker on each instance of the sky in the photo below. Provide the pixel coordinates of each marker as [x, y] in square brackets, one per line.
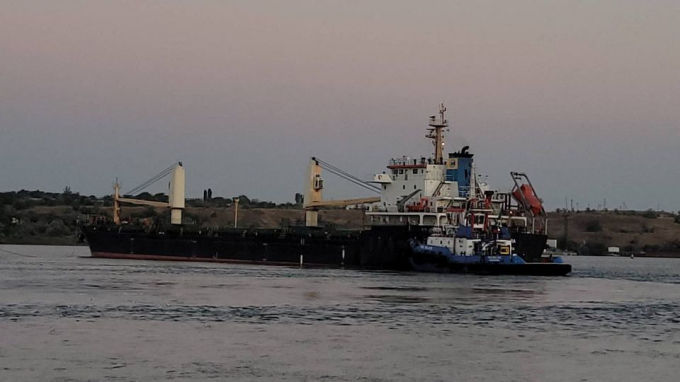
[584, 96]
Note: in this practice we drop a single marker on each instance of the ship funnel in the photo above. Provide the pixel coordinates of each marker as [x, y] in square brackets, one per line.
[176, 194]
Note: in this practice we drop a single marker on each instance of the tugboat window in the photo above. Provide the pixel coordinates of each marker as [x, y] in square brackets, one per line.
[415, 170]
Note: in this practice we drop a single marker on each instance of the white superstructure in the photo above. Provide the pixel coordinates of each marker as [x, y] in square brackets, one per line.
[424, 190]
[433, 191]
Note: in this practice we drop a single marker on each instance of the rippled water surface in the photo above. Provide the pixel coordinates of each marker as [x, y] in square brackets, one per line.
[67, 317]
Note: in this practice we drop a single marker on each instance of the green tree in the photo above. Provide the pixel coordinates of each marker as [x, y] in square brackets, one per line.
[57, 228]
[21, 205]
[593, 249]
[650, 214]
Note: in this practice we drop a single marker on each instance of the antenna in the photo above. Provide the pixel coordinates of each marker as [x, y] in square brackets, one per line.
[436, 133]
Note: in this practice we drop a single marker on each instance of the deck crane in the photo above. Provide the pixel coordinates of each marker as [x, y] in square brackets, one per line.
[314, 187]
[175, 196]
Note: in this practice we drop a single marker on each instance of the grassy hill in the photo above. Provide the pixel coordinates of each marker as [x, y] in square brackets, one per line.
[26, 222]
[631, 231]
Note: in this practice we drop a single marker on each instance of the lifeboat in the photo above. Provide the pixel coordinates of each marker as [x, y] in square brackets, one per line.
[421, 206]
[525, 193]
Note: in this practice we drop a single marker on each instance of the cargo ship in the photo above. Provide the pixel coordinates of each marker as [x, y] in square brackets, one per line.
[417, 196]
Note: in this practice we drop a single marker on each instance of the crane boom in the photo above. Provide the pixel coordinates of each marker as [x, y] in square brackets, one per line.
[143, 202]
[175, 196]
[341, 203]
[314, 188]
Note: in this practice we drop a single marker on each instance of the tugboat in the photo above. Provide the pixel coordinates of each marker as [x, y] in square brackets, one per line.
[418, 196]
[460, 250]
[483, 244]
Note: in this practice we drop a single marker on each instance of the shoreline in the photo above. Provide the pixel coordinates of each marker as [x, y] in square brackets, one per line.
[664, 255]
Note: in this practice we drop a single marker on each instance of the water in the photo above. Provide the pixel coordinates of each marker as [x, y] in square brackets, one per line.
[64, 317]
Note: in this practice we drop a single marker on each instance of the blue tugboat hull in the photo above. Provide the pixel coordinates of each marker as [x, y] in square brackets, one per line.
[428, 258]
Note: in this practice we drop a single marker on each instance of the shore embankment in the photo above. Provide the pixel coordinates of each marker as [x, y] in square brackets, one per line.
[643, 233]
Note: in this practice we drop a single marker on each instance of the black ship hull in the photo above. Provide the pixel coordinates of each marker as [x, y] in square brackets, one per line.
[380, 247]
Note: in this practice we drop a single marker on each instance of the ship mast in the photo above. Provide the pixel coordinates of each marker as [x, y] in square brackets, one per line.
[116, 203]
[436, 133]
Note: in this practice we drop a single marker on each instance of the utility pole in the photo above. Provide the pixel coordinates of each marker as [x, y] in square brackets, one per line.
[566, 231]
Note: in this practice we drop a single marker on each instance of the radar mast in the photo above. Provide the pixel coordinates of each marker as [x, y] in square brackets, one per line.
[436, 133]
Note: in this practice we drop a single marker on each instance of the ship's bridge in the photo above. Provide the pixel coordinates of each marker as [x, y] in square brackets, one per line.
[414, 191]
[422, 190]
[406, 162]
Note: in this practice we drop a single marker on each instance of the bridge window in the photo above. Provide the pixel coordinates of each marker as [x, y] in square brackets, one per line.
[415, 170]
[401, 171]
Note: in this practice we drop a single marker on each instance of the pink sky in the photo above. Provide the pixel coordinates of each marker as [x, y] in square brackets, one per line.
[582, 95]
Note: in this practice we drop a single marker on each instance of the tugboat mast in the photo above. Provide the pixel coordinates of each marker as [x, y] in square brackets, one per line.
[436, 133]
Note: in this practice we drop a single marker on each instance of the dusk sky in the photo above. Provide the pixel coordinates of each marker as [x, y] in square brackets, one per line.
[584, 96]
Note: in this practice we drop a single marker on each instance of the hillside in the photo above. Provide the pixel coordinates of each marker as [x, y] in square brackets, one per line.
[588, 232]
[57, 224]
[631, 231]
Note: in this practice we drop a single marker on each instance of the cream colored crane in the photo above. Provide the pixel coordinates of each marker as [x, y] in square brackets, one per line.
[175, 196]
[314, 187]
